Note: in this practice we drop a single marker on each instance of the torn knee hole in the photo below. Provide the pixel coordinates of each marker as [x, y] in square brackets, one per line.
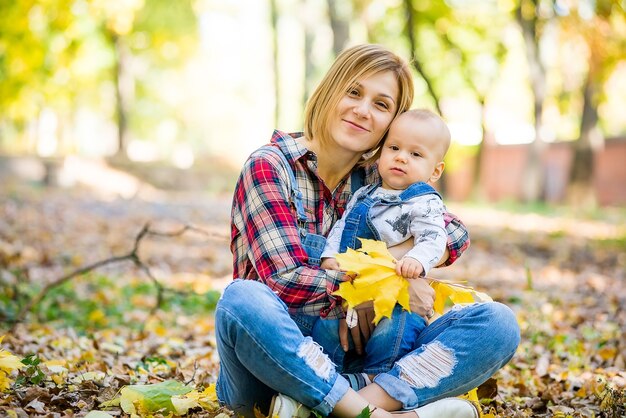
[427, 368]
[315, 358]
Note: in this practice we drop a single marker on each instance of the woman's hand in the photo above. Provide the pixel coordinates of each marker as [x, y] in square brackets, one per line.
[421, 297]
[363, 330]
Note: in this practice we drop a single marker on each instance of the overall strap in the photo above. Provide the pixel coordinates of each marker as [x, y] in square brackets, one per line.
[367, 192]
[357, 179]
[418, 189]
[296, 194]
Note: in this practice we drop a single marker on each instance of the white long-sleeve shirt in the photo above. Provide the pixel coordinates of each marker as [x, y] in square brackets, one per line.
[420, 217]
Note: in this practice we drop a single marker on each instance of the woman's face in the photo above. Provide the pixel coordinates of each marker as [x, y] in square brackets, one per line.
[365, 112]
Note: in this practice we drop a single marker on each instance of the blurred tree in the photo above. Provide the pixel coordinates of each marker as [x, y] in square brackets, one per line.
[361, 13]
[310, 28]
[532, 17]
[601, 26]
[274, 13]
[164, 38]
[412, 28]
[118, 18]
[339, 25]
[167, 31]
[475, 37]
[467, 43]
[36, 48]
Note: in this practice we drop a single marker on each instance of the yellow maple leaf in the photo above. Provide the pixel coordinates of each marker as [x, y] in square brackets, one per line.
[472, 396]
[206, 399]
[377, 281]
[457, 293]
[8, 363]
[183, 403]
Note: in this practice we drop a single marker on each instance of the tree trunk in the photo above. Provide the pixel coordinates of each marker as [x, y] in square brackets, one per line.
[476, 184]
[532, 188]
[580, 189]
[481, 97]
[124, 91]
[309, 67]
[275, 63]
[339, 26]
[410, 33]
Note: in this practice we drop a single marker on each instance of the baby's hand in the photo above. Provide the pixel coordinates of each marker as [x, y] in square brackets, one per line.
[330, 264]
[409, 268]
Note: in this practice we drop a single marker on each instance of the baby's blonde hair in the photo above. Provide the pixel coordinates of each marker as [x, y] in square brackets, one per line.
[422, 114]
[444, 132]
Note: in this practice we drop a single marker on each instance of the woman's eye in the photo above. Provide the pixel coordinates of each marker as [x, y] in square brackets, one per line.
[382, 105]
[353, 92]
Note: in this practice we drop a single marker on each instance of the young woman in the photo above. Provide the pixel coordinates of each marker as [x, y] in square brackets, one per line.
[274, 319]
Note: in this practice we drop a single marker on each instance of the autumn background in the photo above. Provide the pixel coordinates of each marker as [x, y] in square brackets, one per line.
[123, 125]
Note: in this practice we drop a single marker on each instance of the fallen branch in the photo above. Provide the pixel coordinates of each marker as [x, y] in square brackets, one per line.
[133, 256]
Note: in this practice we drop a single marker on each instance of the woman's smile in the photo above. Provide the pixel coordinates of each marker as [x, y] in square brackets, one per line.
[355, 126]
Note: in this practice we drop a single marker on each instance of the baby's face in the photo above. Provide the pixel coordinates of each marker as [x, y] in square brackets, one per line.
[411, 153]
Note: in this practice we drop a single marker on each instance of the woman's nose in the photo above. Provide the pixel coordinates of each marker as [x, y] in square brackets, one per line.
[361, 109]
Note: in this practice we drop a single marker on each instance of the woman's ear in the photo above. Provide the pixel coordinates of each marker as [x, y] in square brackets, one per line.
[437, 172]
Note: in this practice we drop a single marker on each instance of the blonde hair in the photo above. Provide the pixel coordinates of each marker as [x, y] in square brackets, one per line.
[352, 64]
[444, 132]
[421, 114]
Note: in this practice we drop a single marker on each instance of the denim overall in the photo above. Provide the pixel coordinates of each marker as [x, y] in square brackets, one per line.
[391, 339]
[312, 243]
[359, 220]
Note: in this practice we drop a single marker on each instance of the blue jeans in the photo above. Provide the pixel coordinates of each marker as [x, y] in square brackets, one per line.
[264, 350]
[391, 340]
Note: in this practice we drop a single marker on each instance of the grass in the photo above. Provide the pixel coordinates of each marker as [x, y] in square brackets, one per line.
[95, 301]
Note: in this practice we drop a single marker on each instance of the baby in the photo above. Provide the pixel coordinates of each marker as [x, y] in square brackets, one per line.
[404, 204]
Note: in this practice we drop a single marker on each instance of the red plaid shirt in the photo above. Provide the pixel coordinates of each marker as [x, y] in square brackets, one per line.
[265, 241]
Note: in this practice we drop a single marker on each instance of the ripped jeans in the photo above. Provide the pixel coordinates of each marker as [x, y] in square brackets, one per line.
[264, 351]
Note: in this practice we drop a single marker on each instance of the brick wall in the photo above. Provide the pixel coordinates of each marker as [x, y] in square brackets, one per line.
[502, 171]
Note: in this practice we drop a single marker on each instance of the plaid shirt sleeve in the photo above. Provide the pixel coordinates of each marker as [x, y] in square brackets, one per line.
[458, 237]
[266, 242]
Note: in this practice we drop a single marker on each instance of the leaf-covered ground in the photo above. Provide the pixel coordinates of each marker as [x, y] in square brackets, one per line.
[111, 327]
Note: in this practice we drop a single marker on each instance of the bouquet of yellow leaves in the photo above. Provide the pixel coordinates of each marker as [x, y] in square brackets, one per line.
[377, 281]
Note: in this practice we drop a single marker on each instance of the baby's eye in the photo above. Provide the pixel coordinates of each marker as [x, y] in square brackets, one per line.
[416, 154]
[394, 147]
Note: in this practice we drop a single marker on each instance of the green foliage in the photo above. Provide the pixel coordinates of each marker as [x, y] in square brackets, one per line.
[36, 43]
[31, 374]
[365, 413]
[96, 302]
[149, 362]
